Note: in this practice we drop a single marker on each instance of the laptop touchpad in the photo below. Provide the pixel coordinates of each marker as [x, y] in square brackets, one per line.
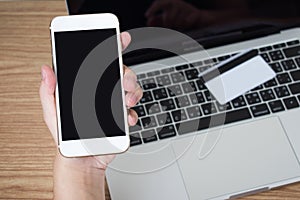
[246, 156]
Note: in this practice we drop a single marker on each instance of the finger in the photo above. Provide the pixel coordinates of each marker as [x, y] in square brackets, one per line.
[181, 23]
[155, 21]
[47, 89]
[130, 80]
[125, 40]
[132, 117]
[157, 6]
[169, 18]
[194, 19]
[131, 98]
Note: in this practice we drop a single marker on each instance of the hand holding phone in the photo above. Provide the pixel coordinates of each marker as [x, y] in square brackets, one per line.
[67, 36]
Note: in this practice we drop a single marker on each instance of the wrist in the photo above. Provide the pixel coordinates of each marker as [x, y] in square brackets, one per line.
[89, 163]
[76, 164]
[77, 178]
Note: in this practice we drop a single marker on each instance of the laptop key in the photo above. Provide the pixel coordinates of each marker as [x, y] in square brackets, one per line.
[267, 95]
[282, 91]
[260, 110]
[294, 42]
[163, 80]
[200, 85]
[196, 64]
[252, 98]
[288, 64]
[174, 90]
[209, 108]
[267, 48]
[295, 88]
[149, 122]
[191, 74]
[152, 108]
[283, 78]
[291, 102]
[237, 115]
[177, 77]
[194, 111]
[265, 57]
[135, 139]
[182, 101]
[139, 110]
[148, 84]
[276, 55]
[149, 136]
[181, 67]
[141, 76]
[208, 95]
[204, 68]
[278, 46]
[276, 106]
[147, 97]
[276, 67]
[223, 107]
[136, 127]
[257, 88]
[189, 87]
[154, 73]
[164, 118]
[222, 58]
[210, 61]
[167, 104]
[270, 83]
[297, 61]
[295, 75]
[166, 132]
[167, 70]
[292, 51]
[160, 93]
[193, 125]
[179, 115]
[238, 102]
[212, 121]
[197, 98]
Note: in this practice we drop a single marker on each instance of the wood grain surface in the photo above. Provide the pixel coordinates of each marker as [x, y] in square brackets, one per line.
[26, 148]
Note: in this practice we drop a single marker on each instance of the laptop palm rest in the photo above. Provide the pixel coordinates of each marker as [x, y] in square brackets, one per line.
[248, 155]
[146, 172]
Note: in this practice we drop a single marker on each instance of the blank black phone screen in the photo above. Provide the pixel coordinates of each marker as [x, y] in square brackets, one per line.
[72, 49]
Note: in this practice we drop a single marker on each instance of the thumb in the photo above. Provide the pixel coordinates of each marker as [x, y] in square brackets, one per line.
[47, 90]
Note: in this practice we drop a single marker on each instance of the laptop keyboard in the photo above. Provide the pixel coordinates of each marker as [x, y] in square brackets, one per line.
[174, 98]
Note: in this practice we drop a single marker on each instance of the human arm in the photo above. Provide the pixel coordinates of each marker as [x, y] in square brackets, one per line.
[82, 178]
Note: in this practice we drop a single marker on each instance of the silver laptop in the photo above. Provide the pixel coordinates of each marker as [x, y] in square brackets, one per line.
[179, 149]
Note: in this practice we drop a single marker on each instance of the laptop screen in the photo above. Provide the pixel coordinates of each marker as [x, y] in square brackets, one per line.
[210, 22]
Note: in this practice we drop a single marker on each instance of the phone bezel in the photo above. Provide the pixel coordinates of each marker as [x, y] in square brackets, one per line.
[96, 146]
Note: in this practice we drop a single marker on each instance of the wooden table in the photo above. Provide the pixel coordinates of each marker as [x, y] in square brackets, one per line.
[26, 148]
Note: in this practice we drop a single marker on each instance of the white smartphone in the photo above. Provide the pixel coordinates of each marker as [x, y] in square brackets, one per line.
[87, 60]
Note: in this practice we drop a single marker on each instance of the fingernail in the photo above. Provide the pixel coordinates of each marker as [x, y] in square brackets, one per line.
[131, 99]
[131, 120]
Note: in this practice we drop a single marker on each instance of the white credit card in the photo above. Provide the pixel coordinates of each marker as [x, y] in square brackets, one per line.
[237, 75]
